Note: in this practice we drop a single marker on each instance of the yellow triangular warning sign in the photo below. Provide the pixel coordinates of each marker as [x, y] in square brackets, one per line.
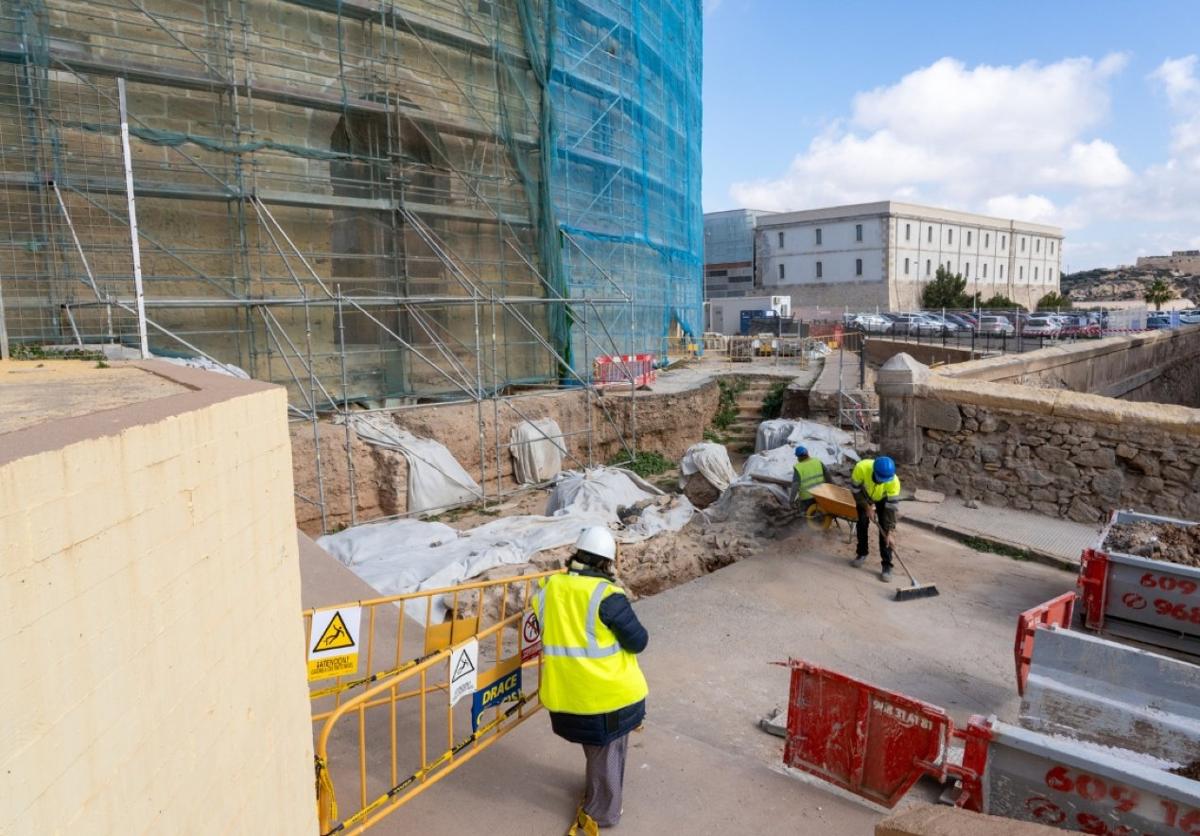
[335, 637]
[463, 667]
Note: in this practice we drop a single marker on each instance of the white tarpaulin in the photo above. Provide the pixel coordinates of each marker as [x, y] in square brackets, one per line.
[411, 555]
[711, 460]
[435, 478]
[829, 444]
[537, 450]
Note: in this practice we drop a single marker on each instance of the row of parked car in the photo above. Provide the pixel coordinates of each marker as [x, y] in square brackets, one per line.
[998, 323]
[1160, 319]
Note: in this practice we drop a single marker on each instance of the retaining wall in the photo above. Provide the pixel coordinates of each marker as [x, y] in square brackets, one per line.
[1042, 447]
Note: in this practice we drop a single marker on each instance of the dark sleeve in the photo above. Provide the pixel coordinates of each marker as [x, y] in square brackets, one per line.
[824, 472]
[618, 616]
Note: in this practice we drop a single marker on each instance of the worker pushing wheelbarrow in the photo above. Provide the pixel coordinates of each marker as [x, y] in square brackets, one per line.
[874, 499]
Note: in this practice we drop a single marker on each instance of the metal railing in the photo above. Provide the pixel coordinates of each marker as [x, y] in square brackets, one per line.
[409, 712]
[390, 645]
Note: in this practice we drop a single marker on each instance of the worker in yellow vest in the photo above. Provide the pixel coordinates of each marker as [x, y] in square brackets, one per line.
[807, 473]
[876, 495]
[591, 683]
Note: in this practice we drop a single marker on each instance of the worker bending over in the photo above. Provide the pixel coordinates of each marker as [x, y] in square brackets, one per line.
[876, 495]
[591, 683]
[807, 473]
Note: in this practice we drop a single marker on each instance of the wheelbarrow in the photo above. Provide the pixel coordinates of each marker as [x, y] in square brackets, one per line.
[831, 505]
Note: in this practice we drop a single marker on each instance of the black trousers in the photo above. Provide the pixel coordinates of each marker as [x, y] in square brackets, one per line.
[861, 525]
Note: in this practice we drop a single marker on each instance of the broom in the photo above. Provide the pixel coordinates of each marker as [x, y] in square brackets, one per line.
[917, 590]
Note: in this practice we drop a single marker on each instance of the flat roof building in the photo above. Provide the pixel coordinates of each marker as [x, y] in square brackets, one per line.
[881, 255]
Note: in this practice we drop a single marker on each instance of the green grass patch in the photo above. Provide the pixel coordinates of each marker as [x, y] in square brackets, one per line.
[727, 409]
[988, 547]
[645, 463]
[772, 405]
[25, 351]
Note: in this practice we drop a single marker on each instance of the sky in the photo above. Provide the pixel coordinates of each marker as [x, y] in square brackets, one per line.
[1085, 115]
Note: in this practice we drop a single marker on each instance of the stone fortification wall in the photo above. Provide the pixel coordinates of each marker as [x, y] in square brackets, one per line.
[1056, 452]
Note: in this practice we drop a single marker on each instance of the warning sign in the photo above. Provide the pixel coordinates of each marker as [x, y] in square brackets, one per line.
[464, 670]
[531, 636]
[500, 685]
[333, 643]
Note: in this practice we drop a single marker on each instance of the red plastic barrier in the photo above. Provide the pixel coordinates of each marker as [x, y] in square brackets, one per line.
[1093, 587]
[1057, 611]
[616, 370]
[869, 741]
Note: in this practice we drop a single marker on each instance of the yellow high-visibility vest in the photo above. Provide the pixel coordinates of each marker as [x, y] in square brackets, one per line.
[864, 475]
[809, 473]
[584, 669]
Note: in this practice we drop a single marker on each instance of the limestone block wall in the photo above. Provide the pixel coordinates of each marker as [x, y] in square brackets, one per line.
[151, 644]
[1059, 453]
[1115, 367]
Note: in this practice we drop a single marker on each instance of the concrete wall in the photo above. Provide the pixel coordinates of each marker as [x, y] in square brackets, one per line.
[1114, 367]
[879, 351]
[152, 641]
[1058, 452]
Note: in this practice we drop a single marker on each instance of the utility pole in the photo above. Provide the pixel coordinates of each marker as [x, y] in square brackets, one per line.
[3, 328]
[133, 227]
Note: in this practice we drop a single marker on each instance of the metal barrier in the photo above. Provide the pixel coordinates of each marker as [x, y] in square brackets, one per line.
[1057, 611]
[617, 369]
[389, 643]
[500, 699]
[877, 743]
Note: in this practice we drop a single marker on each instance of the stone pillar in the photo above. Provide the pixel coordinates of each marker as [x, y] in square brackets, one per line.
[899, 431]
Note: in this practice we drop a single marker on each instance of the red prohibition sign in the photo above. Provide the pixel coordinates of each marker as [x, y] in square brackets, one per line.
[532, 630]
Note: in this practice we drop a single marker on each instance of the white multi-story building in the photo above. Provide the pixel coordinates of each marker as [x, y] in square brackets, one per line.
[881, 255]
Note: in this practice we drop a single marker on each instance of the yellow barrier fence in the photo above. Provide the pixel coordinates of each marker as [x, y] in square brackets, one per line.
[371, 640]
[405, 737]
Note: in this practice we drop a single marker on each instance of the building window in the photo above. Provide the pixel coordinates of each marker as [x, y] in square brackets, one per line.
[818, 236]
[1022, 245]
[968, 237]
[858, 232]
[1021, 273]
[949, 236]
[1001, 271]
[858, 266]
[819, 273]
[1051, 248]
[908, 232]
[929, 237]
[1037, 245]
[1003, 241]
[985, 269]
[926, 267]
[967, 270]
[987, 240]
[948, 267]
[781, 240]
[906, 266]
[782, 272]
[1035, 274]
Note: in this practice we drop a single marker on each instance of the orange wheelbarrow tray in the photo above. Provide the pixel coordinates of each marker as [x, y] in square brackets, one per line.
[831, 503]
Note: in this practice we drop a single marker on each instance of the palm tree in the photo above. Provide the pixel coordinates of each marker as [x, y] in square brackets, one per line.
[1157, 293]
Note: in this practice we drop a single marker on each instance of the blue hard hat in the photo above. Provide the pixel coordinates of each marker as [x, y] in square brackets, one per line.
[884, 469]
[801, 451]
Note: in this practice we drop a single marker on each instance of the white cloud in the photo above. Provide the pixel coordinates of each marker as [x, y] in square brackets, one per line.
[1034, 208]
[1178, 78]
[966, 137]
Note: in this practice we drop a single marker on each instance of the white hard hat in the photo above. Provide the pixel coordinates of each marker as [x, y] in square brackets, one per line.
[597, 541]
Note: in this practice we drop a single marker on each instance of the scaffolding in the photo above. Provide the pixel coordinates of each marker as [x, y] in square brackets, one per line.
[375, 203]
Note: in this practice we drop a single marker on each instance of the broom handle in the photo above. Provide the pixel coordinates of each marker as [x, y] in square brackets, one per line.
[896, 555]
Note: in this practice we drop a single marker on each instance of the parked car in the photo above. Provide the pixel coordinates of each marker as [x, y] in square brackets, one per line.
[996, 325]
[1042, 326]
[1158, 321]
[871, 323]
[964, 321]
[1191, 317]
[1080, 326]
[942, 322]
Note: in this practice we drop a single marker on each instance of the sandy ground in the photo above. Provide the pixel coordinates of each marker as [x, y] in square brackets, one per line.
[701, 766]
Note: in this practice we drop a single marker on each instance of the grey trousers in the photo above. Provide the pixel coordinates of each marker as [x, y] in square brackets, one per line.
[605, 780]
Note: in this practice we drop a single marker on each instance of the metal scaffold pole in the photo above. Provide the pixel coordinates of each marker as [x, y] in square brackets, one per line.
[143, 341]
